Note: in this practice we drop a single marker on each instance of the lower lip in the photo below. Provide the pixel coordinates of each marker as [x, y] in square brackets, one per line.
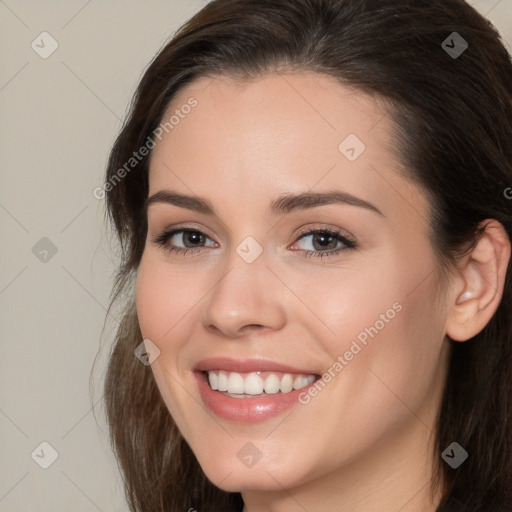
[247, 410]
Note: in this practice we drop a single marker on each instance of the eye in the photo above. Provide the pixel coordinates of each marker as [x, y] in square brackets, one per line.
[324, 242]
[191, 239]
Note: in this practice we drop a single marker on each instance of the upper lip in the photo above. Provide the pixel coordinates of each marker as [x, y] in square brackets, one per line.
[247, 366]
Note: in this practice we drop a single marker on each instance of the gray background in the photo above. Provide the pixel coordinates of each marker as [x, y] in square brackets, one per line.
[59, 117]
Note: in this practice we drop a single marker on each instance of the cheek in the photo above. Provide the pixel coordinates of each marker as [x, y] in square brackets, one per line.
[344, 303]
[159, 300]
[389, 298]
[148, 301]
[385, 326]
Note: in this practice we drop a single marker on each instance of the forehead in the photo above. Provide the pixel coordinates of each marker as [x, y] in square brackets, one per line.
[281, 132]
[311, 105]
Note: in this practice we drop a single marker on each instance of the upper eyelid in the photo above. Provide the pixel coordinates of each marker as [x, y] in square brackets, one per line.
[178, 228]
[302, 231]
[319, 228]
[315, 226]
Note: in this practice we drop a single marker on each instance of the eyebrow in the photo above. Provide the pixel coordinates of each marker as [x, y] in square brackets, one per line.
[282, 205]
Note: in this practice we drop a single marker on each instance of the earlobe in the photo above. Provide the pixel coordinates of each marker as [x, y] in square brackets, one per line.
[479, 283]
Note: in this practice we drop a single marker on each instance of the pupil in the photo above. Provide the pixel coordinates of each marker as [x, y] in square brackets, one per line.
[325, 239]
[194, 237]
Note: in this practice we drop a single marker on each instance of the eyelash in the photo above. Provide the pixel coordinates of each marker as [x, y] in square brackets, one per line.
[162, 239]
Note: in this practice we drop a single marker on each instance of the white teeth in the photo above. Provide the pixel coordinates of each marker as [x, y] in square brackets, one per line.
[214, 380]
[300, 381]
[255, 383]
[272, 384]
[235, 383]
[222, 383]
[286, 384]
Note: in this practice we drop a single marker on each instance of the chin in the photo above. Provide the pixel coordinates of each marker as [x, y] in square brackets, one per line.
[232, 476]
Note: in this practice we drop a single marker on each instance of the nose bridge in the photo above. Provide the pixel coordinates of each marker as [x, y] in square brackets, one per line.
[245, 294]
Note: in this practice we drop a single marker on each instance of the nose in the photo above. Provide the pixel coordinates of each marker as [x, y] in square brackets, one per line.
[246, 297]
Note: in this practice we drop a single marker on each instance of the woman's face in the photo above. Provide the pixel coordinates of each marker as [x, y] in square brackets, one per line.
[342, 287]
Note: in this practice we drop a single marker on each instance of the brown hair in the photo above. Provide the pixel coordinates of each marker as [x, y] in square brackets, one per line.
[453, 117]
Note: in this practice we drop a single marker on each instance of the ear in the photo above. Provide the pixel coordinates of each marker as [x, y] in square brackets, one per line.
[478, 285]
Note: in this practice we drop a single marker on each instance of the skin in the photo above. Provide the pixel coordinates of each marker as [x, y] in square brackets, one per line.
[364, 443]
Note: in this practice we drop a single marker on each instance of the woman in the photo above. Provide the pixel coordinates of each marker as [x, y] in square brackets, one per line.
[314, 208]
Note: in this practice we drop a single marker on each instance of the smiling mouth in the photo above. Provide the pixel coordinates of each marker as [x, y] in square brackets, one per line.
[257, 384]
